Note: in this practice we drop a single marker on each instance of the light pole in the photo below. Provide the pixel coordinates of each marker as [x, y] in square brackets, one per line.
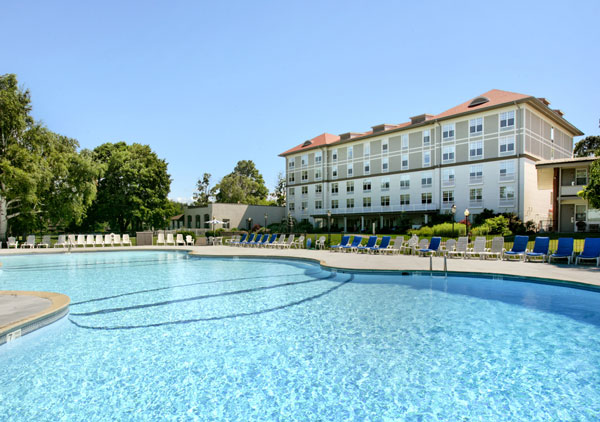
[467, 221]
[453, 209]
[249, 224]
[266, 216]
[329, 227]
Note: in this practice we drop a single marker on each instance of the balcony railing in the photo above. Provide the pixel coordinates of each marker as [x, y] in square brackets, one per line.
[390, 208]
[476, 203]
[508, 177]
[475, 180]
[570, 190]
[507, 202]
[448, 183]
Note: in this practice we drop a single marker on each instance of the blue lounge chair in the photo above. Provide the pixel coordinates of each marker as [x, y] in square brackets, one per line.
[342, 244]
[257, 240]
[591, 250]
[383, 245]
[564, 250]
[370, 243]
[434, 245]
[519, 248]
[263, 241]
[270, 241]
[540, 249]
[249, 240]
[354, 245]
[242, 239]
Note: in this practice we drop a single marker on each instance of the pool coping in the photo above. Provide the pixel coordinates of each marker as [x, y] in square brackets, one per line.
[58, 308]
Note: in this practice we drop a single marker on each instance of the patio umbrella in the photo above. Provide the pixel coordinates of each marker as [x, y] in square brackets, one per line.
[213, 222]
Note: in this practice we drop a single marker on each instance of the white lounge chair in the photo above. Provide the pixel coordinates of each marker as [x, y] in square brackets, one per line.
[117, 240]
[180, 240]
[320, 243]
[449, 246]
[89, 240]
[170, 240]
[411, 245]
[460, 250]
[61, 242]
[160, 240]
[497, 248]
[189, 240]
[232, 240]
[71, 241]
[45, 241]
[12, 242]
[289, 241]
[81, 240]
[126, 240]
[108, 240]
[30, 242]
[99, 241]
[478, 248]
[299, 244]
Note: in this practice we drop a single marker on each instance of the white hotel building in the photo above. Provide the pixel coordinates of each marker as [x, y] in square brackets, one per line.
[479, 154]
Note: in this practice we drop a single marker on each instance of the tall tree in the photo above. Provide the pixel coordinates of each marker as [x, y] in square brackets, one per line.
[202, 194]
[591, 192]
[132, 192]
[245, 185]
[280, 190]
[43, 179]
[587, 146]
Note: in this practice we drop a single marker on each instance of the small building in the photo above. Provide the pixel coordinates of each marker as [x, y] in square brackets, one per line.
[567, 177]
[239, 216]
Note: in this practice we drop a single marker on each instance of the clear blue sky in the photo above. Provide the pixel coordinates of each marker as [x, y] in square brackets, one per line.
[206, 84]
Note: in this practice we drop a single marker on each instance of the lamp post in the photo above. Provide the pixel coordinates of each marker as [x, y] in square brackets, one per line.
[467, 222]
[329, 227]
[249, 224]
[266, 216]
[453, 209]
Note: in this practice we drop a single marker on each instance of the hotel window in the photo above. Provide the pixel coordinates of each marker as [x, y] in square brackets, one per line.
[448, 197]
[334, 204]
[426, 138]
[319, 188]
[304, 206]
[350, 187]
[334, 188]
[334, 172]
[385, 201]
[350, 169]
[318, 205]
[405, 181]
[507, 170]
[367, 169]
[350, 203]
[304, 160]
[448, 177]
[226, 223]
[507, 193]
[318, 157]
[476, 126]
[507, 120]
[475, 196]
[581, 177]
[404, 141]
[580, 213]
[292, 191]
[350, 153]
[426, 180]
[476, 150]
[198, 222]
[476, 174]
[426, 158]
[334, 155]
[507, 145]
[384, 146]
[304, 190]
[405, 199]
[448, 154]
[385, 184]
[367, 149]
[318, 174]
[291, 178]
[291, 206]
[404, 162]
[426, 198]
[385, 164]
[292, 163]
[367, 202]
[448, 132]
[304, 175]
[367, 186]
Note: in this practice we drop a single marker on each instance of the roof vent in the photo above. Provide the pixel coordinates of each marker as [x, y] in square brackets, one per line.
[383, 127]
[349, 135]
[306, 143]
[478, 101]
[420, 118]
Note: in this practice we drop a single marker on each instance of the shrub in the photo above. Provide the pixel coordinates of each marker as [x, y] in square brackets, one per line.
[480, 218]
[482, 230]
[422, 232]
[498, 225]
[445, 230]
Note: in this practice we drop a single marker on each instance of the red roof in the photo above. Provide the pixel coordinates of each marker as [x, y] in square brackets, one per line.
[323, 139]
[495, 97]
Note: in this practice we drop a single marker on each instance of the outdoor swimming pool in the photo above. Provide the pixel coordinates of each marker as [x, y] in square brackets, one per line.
[163, 336]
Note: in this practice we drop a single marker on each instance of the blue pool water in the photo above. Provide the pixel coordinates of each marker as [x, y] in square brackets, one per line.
[163, 336]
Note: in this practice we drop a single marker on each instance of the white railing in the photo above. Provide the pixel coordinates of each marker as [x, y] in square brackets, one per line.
[477, 203]
[448, 183]
[391, 208]
[507, 203]
[509, 177]
[475, 180]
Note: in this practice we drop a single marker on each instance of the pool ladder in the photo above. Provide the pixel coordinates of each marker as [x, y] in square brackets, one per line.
[431, 265]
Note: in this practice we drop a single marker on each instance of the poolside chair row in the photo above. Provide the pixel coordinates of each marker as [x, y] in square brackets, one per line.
[65, 241]
[370, 247]
[267, 241]
[564, 250]
[177, 241]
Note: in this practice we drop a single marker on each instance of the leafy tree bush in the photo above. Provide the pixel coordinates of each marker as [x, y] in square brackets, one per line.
[482, 230]
[445, 230]
[480, 218]
[424, 231]
[498, 225]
